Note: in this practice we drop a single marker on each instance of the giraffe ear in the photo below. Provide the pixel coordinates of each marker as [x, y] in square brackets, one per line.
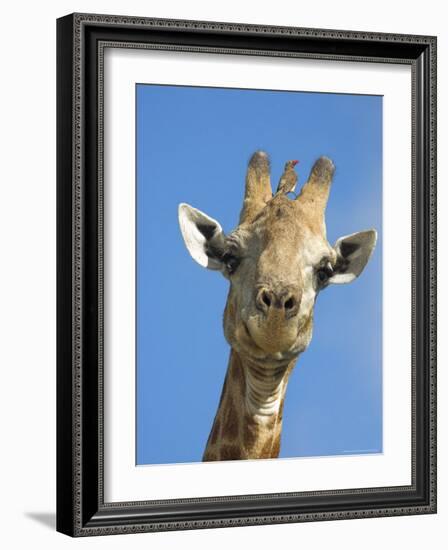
[353, 253]
[203, 236]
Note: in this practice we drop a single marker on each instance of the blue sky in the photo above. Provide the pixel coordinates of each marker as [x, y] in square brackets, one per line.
[193, 145]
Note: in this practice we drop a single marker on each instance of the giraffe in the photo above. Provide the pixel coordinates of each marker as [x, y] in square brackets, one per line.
[277, 261]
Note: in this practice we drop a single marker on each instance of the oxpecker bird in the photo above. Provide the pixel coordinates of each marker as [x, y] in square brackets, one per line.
[288, 181]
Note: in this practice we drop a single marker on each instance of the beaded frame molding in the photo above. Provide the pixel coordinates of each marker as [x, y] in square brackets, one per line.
[81, 39]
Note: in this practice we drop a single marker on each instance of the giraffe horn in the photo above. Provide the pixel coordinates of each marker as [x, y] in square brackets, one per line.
[317, 189]
[258, 186]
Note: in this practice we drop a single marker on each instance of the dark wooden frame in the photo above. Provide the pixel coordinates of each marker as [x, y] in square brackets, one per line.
[81, 510]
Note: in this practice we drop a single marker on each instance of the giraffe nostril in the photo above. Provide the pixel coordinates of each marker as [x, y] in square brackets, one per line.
[265, 298]
[289, 304]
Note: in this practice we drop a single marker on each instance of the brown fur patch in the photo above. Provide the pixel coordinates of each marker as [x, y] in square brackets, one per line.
[209, 457]
[266, 450]
[215, 432]
[230, 427]
[229, 311]
[238, 374]
[271, 422]
[250, 432]
[276, 448]
[230, 452]
[223, 391]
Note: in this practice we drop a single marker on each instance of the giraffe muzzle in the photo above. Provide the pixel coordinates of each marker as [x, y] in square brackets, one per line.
[285, 300]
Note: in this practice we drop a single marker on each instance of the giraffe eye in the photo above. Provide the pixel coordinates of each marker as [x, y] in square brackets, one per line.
[231, 262]
[323, 274]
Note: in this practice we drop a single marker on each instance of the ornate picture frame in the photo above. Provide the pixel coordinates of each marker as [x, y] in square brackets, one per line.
[82, 509]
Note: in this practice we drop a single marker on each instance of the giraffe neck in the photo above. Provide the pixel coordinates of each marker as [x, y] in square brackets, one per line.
[248, 422]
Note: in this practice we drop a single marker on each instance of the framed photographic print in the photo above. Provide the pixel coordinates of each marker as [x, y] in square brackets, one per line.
[246, 274]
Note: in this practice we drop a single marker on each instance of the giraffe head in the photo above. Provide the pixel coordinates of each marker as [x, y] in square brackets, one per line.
[277, 260]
